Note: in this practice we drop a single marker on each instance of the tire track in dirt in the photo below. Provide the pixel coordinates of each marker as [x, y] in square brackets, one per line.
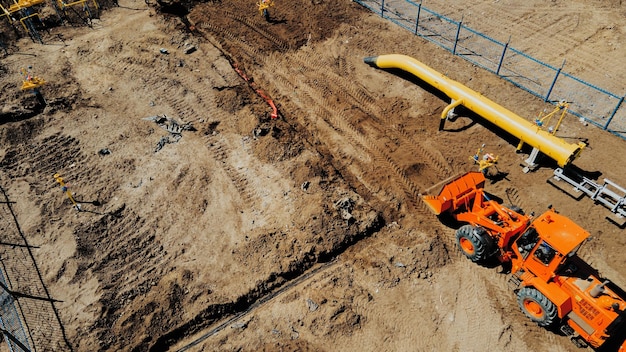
[115, 244]
[470, 315]
[352, 92]
[280, 44]
[43, 160]
[221, 152]
[252, 52]
[341, 122]
[180, 94]
[320, 92]
[312, 63]
[122, 250]
[171, 94]
[54, 154]
[502, 294]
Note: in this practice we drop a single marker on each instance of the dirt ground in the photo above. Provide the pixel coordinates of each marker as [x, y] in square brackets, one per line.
[301, 233]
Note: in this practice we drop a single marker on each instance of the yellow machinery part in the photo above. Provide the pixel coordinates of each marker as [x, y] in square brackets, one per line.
[554, 147]
[24, 4]
[264, 4]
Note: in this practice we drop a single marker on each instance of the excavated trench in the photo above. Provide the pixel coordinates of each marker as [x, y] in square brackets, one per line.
[264, 291]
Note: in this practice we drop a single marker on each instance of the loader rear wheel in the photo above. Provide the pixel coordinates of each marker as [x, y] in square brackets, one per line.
[474, 242]
[537, 307]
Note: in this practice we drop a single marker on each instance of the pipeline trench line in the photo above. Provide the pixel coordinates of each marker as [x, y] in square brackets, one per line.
[261, 302]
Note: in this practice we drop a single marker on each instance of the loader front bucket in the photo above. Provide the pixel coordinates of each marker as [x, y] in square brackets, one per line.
[456, 190]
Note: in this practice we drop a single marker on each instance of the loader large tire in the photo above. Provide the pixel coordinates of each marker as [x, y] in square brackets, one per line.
[474, 242]
[537, 307]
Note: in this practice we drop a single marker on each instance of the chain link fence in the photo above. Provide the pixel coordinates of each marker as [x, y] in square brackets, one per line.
[586, 101]
[29, 320]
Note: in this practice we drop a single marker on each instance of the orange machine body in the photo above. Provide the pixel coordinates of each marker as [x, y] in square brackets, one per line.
[542, 255]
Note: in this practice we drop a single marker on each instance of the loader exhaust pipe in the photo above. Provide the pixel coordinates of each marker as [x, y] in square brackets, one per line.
[554, 147]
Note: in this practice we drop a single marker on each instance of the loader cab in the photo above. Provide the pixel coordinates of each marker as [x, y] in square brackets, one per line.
[548, 242]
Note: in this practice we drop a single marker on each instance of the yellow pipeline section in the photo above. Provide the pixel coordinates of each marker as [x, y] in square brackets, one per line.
[556, 148]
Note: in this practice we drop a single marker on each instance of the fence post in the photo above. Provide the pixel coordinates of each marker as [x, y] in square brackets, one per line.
[456, 38]
[558, 72]
[506, 46]
[417, 20]
[382, 9]
[619, 103]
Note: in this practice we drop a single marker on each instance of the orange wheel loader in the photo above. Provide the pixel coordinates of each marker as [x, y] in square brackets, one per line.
[554, 287]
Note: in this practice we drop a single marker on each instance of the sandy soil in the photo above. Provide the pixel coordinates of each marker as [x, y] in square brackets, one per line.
[304, 232]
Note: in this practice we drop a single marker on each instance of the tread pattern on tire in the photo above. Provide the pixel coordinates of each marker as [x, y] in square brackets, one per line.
[550, 316]
[479, 239]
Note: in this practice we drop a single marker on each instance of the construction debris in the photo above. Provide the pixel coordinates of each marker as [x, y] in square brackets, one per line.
[172, 126]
